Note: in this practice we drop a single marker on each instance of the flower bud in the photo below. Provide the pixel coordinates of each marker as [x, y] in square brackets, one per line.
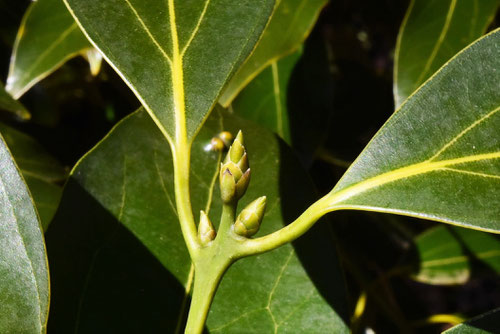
[216, 144]
[249, 219]
[227, 186]
[206, 231]
[236, 165]
[226, 137]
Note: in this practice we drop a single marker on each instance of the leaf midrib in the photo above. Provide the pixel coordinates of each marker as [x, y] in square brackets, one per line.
[337, 197]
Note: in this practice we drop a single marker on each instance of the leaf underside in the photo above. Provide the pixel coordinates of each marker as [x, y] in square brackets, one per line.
[24, 281]
[438, 156]
[176, 55]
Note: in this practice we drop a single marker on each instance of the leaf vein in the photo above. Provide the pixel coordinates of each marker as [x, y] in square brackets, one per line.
[464, 132]
[148, 32]
[196, 28]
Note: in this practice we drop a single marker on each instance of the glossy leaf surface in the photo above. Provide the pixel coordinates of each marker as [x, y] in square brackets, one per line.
[24, 281]
[42, 172]
[433, 32]
[289, 26]
[128, 177]
[487, 323]
[264, 100]
[8, 103]
[177, 55]
[438, 156]
[451, 255]
[48, 37]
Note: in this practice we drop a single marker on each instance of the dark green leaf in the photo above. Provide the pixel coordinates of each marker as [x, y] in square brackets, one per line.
[48, 37]
[128, 178]
[438, 156]
[176, 55]
[431, 33]
[24, 278]
[291, 23]
[264, 100]
[451, 255]
[8, 103]
[43, 174]
[487, 323]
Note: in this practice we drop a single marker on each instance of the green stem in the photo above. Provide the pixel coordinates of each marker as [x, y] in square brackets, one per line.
[288, 233]
[207, 278]
[227, 218]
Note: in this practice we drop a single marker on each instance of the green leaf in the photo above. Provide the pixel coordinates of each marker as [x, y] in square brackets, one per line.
[42, 172]
[176, 55]
[483, 324]
[8, 103]
[24, 278]
[289, 26]
[126, 180]
[451, 255]
[47, 38]
[264, 100]
[431, 33]
[438, 156]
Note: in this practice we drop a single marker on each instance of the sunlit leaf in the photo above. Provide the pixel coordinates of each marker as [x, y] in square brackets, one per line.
[48, 37]
[127, 181]
[291, 23]
[24, 278]
[176, 55]
[264, 100]
[452, 255]
[433, 32]
[438, 156]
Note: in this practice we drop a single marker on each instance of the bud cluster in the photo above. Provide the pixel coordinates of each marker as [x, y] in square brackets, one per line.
[234, 178]
[235, 172]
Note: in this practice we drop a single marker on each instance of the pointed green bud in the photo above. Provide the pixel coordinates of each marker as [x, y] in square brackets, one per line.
[206, 231]
[242, 184]
[243, 163]
[227, 186]
[234, 169]
[237, 149]
[248, 221]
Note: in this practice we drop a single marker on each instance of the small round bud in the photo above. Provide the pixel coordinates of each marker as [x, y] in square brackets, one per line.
[206, 231]
[250, 218]
[226, 137]
[216, 144]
